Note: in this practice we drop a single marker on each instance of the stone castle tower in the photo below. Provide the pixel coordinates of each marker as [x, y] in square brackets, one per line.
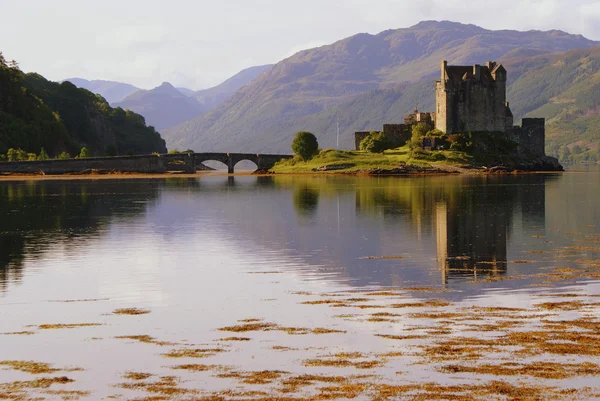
[472, 99]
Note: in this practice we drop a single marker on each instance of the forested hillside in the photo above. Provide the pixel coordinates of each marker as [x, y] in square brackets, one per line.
[36, 113]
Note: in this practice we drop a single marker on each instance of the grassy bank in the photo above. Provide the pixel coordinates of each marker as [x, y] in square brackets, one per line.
[355, 161]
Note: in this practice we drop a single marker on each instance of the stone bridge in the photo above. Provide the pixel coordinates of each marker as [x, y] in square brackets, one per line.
[191, 160]
[187, 162]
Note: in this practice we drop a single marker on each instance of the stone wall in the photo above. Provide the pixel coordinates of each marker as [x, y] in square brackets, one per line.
[531, 136]
[398, 134]
[134, 164]
[358, 137]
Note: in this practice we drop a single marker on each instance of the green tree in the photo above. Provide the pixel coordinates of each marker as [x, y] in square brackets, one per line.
[83, 153]
[31, 156]
[418, 131]
[11, 155]
[14, 155]
[43, 155]
[305, 145]
[63, 156]
[376, 142]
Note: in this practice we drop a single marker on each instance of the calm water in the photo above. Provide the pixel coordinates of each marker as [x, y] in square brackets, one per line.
[201, 254]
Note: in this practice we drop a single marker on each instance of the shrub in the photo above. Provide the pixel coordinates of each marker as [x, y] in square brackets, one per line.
[83, 153]
[31, 156]
[14, 155]
[376, 142]
[460, 142]
[43, 155]
[63, 156]
[419, 130]
[305, 145]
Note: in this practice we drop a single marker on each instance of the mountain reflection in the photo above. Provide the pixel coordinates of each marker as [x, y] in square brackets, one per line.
[36, 216]
[439, 230]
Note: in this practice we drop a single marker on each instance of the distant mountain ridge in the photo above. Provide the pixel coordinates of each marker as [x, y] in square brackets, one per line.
[166, 106]
[112, 91]
[364, 80]
[212, 97]
[163, 106]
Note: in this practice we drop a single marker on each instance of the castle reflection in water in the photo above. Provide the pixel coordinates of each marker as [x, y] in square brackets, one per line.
[472, 227]
[471, 219]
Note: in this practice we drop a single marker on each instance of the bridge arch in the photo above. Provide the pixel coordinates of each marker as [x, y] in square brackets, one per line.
[235, 158]
[231, 159]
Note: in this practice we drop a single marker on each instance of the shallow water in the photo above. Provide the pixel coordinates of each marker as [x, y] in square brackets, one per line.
[203, 254]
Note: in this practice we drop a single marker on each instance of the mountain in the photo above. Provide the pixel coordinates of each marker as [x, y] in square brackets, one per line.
[112, 91]
[166, 106]
[364, 80]
[36, 113]
[163, 106]
[212, 97]
[186, 91]
[564, 88]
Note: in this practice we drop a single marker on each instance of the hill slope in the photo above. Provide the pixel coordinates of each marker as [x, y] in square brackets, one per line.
[305, 89]
[564, 88]
[36, 113]
[212, 97]
[112, 91]
[163, 106]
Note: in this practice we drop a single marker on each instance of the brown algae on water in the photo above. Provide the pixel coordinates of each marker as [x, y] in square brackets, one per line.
[147, 339]
[67, 326]
[543, 370]
[32, 367]
[130, 311]
[235, 339]
[193, 353]
[260, 377]
[137, 375]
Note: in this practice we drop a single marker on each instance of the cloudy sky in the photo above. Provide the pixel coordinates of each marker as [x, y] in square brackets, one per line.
[199, 43]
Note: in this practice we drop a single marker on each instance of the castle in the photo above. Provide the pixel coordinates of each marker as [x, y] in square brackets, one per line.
[471, 99]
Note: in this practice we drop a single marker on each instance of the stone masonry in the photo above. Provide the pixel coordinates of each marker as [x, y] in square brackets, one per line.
[472, 99]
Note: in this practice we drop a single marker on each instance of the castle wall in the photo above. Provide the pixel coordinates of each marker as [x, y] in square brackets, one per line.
[358, 137]
[531, 136]
[398, 134]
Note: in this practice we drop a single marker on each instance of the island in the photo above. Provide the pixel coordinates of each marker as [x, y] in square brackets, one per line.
[471, 130]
